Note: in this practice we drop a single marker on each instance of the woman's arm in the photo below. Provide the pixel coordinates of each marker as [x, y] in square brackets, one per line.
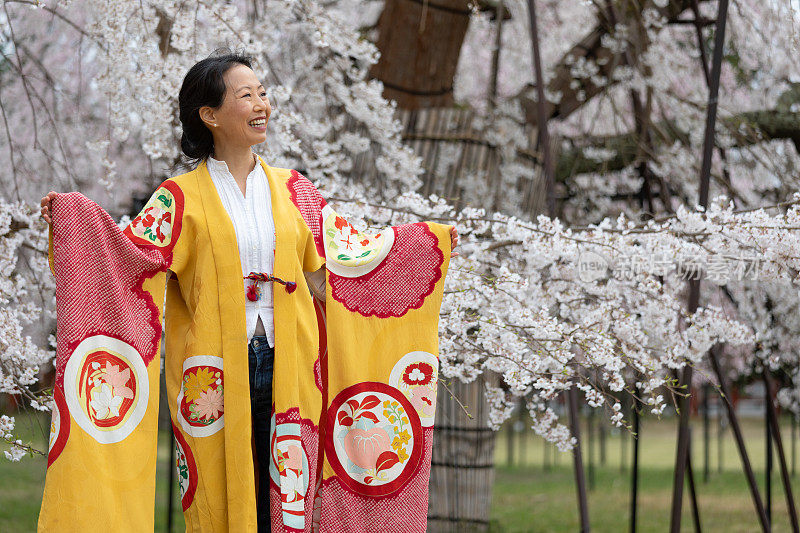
[316, 282]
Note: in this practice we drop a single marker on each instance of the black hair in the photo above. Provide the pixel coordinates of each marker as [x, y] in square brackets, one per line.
[202, 86]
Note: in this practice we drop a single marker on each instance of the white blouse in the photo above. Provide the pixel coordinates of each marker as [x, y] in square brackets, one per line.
[251, 215]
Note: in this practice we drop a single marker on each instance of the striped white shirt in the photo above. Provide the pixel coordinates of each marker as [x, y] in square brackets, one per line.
[251, 215]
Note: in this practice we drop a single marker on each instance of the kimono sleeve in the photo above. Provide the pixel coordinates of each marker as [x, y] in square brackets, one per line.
[378, 372]
[109, 300]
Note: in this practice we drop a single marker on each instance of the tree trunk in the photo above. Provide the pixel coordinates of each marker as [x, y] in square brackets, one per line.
[420, 41]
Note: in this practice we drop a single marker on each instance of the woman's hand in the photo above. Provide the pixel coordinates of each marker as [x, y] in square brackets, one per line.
[46, 204]
[453, 240]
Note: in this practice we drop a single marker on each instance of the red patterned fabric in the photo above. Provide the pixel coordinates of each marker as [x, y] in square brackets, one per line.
[401, 282]
[344, 511]
[99, 281]
[309, 202]
[309, 436]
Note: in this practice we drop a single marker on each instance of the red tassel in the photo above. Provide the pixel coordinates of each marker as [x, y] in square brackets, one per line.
[253, 292]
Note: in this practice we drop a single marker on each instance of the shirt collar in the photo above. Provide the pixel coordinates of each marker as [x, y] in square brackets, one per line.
[222, 166]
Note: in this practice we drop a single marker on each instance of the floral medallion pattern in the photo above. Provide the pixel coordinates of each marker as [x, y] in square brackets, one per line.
[375, 440]
[159, 222]
[289, 471]
[351, 253]
[106, 388]
[200, 399]
[154, 223]
[416, 375]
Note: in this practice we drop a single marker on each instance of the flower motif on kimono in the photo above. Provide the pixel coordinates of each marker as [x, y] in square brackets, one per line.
[201, 404]
[154, 223]
[202, 394]
[349, 246]
[289, 469]
[209, 404]
[159, 222]
[376, 438]
[106, 387]
[104, 403]
[416, 375]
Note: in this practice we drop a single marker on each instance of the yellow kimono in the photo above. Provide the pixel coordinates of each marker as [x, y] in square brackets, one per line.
[354, 377]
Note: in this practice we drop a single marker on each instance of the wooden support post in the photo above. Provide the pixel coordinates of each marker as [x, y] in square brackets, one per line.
[772, 419]
[692, 487]
[767, 450]
[737, 433]
[541, 119]
[720, 440]
[580, 481]
[706, 433]
[510, 444]
[545, 455]
[500, 14]
[794, 444]
[681, 460]
[635, 467]
[523, 434]
[603, 449]
[590, 444]
[623, 446]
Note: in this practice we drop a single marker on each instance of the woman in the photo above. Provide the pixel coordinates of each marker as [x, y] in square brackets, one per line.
[224, 111]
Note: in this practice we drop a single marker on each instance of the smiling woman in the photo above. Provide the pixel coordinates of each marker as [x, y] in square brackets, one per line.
[224, 111]
[246, 360]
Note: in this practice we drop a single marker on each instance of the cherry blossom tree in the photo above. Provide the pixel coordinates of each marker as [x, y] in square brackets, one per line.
[88, 95]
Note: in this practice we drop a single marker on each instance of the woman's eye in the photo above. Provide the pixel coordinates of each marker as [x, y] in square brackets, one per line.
[246, 95]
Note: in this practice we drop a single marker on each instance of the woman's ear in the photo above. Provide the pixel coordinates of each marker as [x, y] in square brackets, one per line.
[208, 116]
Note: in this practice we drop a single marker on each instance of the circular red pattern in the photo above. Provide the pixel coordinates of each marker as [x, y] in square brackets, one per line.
[412, 466]
[406, 276]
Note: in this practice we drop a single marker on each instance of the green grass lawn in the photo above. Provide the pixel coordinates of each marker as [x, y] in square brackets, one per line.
[537, 493]
[534, 494]
[21, 484]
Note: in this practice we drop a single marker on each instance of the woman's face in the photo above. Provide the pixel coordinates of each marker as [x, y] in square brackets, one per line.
[242, 118]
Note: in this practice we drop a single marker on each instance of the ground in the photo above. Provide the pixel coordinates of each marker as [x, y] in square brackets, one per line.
[535, 494]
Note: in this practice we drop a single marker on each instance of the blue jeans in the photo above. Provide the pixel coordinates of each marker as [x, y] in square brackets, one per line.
[260, 358]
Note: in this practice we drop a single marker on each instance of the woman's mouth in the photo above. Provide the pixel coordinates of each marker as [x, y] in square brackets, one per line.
[259, 124]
